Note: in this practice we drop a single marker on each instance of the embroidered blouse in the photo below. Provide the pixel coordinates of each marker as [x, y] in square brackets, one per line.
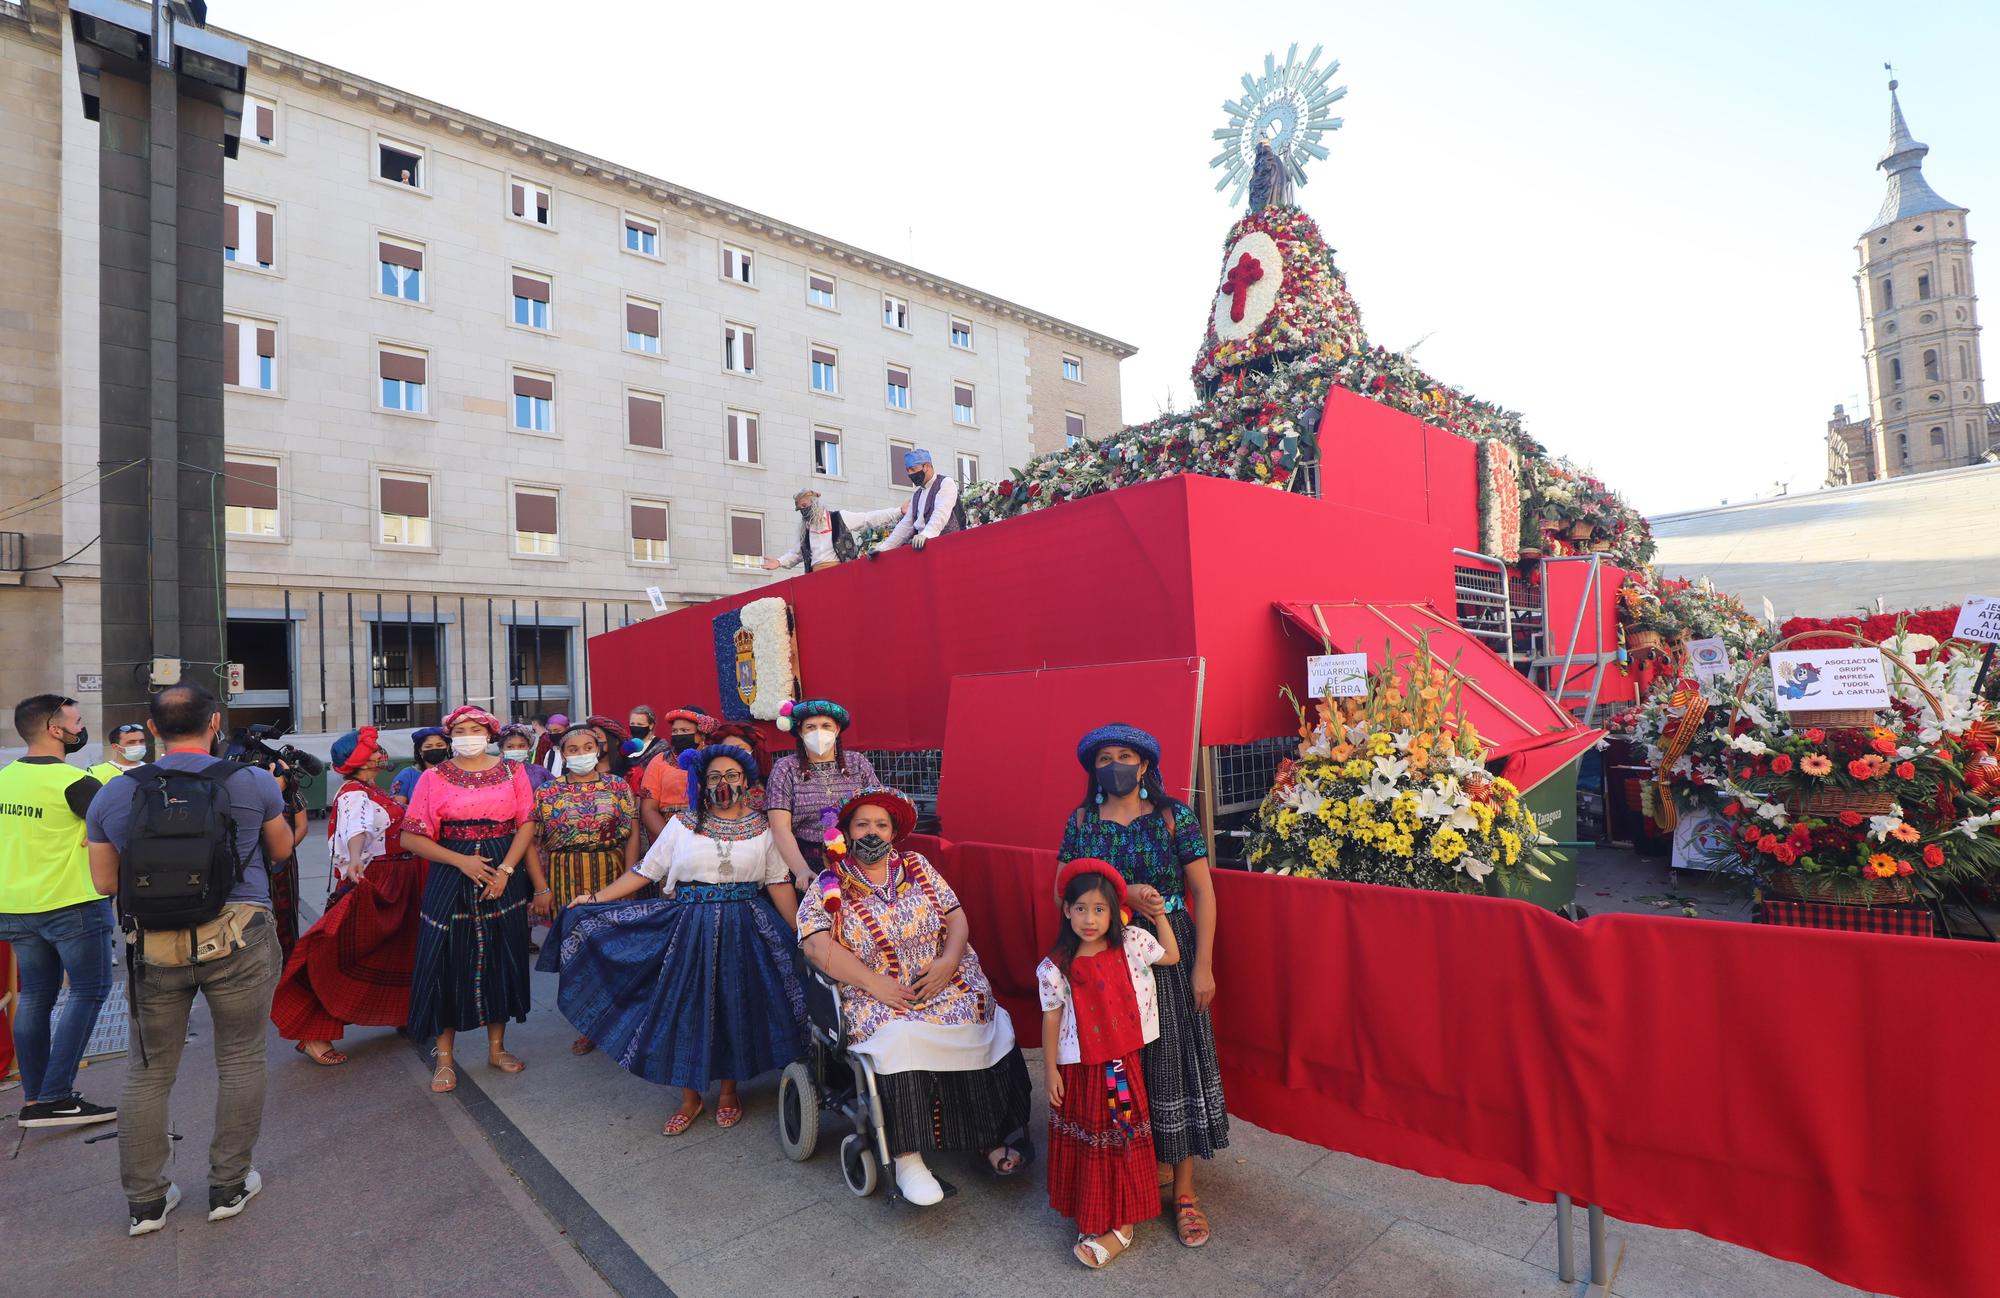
[1142, 952]
[1146, 851]
[448, 792]
[721, 851]
[808, 789]
[585, 816]
[355, 811]
[897, 929]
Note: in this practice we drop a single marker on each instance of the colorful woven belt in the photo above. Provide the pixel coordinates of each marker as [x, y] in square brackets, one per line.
[708, 894]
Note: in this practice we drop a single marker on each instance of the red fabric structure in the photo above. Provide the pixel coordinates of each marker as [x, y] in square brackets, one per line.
[1379, 458]
[1583, 619]
[1761, 1085]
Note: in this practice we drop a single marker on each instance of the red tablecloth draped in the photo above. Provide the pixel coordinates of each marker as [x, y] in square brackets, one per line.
[1795, 1091]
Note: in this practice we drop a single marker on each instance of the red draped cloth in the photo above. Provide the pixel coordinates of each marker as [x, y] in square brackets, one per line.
[353, 967]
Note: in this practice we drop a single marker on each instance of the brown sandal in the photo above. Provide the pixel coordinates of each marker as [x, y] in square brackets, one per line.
[582, 1046]
[1190, 1222]
[327, 1058]
[444, 1079]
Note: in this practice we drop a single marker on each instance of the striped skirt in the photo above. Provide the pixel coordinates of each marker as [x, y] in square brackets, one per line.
[1101, 1170]
[471, 967]
[1183, 1076]
[353, 966]
[573, 873]
[925, 1112]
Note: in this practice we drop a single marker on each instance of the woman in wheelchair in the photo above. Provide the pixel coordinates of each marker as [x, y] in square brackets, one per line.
[885, 926]
[704, 986]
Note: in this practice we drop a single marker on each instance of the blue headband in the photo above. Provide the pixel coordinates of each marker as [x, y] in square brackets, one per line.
[695, 762]
[1117, 733]
[911, 459]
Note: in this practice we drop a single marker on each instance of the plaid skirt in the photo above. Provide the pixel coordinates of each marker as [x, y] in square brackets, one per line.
[1183, 1076]
[1101, 1174]
[471, 968]
[573, 873]
[353, 966]
[926, 1112]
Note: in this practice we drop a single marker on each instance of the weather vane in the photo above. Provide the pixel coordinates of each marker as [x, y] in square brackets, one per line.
[1286, 108]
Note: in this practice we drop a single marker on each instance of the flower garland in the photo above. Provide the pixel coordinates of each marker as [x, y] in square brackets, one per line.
[1674, 608]
[754, 681]
[1313, 309]
[1499, 501]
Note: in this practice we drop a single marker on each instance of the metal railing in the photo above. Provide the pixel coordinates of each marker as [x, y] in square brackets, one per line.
[1485, 599]
[1244, 773]
[915, 772]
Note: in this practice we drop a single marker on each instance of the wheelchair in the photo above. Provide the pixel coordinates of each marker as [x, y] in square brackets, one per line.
[831, 1080]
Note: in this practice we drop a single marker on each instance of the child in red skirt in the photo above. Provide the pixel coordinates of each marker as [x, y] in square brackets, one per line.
[1099, 1008]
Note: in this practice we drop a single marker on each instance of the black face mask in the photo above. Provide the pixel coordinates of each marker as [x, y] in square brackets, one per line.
[871, 849]
[432, 756]
[805, 511]
[74, 745]
[1116, 779]
[682, 743]
[640, 732]
[917, 478]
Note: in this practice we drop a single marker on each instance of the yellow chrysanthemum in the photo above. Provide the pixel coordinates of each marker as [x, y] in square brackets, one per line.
[1447, 845]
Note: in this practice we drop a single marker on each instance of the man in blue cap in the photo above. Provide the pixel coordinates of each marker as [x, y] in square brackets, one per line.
[933, 511]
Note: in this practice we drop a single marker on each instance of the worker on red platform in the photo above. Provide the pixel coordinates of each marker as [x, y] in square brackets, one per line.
[932, 512]
[826, 536]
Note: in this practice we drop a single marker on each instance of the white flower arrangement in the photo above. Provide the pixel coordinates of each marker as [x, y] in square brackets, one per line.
[770, 627]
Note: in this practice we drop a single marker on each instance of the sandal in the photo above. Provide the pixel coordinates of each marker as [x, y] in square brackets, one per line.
[582, 1046]
[504, 1061]
[1092, 1253]
[728, 1113]
[1190, 1222]
[680, 1122]
[444, 1079]
[1005, 1160]
[327, 1058]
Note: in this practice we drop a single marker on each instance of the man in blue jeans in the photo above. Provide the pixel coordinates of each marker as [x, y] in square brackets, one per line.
[54, 919]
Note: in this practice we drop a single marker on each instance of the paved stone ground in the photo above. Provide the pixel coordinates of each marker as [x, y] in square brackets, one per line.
[557, 1182]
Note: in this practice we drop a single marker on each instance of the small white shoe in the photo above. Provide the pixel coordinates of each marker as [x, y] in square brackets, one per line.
[915, 1182]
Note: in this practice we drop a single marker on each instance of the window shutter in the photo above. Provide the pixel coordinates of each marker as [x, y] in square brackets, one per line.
[520, 201]
[526, 385]
[899, 378]
[253, 486]
[643, 425]
[535, 290]
[232, 226]
[232, 353]
[265, 237]
[826, 435]
[409, 258]
[641, 319]
[534, 512]
[406, 496]
[961, 395]
[749, 350]
[823, 357]
[820, 284]
[395, 365]
[643, 227]
[898, 476]
[750, 438]
[267, 123]
[1075, 422]
[746, 534]
[649, 523]
[267, 342]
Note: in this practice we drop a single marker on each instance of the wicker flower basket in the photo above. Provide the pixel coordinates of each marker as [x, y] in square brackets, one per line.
[1641, 638]
[1831, 801]
[1842, 888]
[1835, 718]
[1579, 531]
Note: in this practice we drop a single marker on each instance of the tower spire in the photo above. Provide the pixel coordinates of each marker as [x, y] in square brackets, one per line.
[1909, 193]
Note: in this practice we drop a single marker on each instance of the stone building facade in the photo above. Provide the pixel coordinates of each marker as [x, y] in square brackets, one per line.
[483, 390]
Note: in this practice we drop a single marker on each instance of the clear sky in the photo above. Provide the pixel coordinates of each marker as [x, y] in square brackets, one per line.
[1634, 223]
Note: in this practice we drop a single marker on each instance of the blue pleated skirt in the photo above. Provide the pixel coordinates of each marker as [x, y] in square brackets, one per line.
[471, 968]
[687, 991]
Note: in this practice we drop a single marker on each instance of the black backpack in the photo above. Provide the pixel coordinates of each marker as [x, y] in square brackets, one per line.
[180, 860]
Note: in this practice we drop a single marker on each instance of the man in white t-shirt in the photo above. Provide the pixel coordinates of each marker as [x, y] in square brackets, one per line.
[826, 536]
[932, 512]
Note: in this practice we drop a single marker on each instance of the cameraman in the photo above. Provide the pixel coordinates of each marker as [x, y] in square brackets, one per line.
[252, 746]
[186, 722]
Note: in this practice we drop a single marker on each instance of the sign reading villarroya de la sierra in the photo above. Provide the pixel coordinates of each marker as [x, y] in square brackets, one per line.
[1816, 679]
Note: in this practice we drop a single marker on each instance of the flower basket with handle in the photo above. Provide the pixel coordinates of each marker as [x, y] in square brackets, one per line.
[1841, 888]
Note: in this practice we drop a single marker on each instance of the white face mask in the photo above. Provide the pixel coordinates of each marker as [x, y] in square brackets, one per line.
[516, 754]
[820, 742]
[580, 763]
[468, 745]
[134, 752]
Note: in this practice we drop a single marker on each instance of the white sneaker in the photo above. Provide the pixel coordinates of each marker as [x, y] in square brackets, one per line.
[915, 1182]
[154, 1220]
[225, 1202]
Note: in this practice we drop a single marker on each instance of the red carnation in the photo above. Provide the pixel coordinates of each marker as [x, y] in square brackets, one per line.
[1933, 855]
[1767, 844]
[1379, 382]
[1815, 736]
[1785, 854]
[1861, 768]
[1034, 489]
[1781, 764]
[1904, 868]
[1750, 832]
[1007, 487]
[1884, 746]
[1851, 818]
[1733, 810]
[1906, 770]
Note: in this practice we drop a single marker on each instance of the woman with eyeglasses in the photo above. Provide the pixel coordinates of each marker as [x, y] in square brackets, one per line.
[703, 986]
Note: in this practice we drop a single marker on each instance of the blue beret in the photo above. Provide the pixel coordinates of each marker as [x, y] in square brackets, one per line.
[1117, 733]
[911, 459]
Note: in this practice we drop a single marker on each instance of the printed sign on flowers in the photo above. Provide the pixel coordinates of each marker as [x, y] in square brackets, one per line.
[1708, 658]
[1344, 676]
[1979, 619]
[1815, 679]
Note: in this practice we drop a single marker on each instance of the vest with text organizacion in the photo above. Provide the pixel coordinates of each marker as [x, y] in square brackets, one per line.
[43, 863]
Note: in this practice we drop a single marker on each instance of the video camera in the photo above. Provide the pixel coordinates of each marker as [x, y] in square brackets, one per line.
[253, 746]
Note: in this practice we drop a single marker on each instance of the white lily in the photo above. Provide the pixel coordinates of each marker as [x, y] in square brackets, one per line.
[1750, 744]
[1475, 867]
[1434, 803]
[1879, 827]
[1773, 812]
[1971, 825]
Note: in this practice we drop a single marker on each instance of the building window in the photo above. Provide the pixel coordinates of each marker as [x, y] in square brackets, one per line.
[739, 349]
[1885, 294]
[400, 269]
[249, 353]
[249, 233]
[642, 326]
[898, 475]
[895, 312]
[740, 428]
[402, 164]
[534, 402]
[534, 521]
[1896, 371]
[1073, 369]
[645, 420]
[746, 539]
[529, 201]
[250, 496]
[642, 236]
[402, 380]
[260, 121]
[649, 531]
[968, 468]
[1924, 286]
[961, 333]
[825, 370]
[820, 290]
[826, 452]
[1903, 448]
[1964, 362]
[1957, 280]
[531, 299]
[1937, 441]
[736, 264]
[1073, 428]
[962, 408]
[1930, 365]
[403, 509]
[899, 388]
